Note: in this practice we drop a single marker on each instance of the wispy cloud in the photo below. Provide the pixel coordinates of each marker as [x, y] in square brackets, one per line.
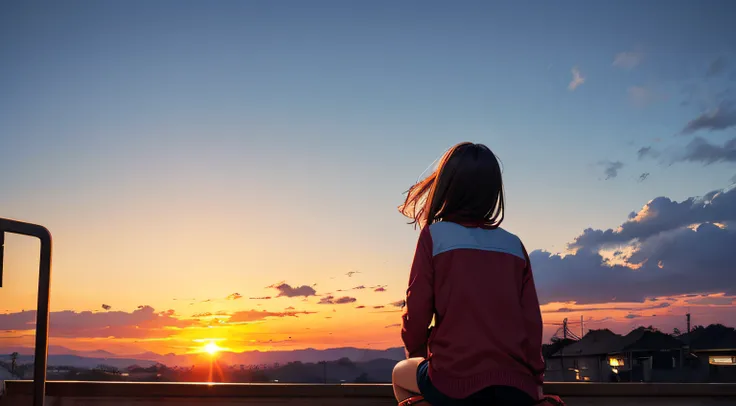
[577, 79]
[627, 60]
[717, 67]
[702, 151]
[260, 298]
[610, 169]
[340, 300]
[641, 96]
[234, 296]
[720, 118]
[399, 303]
[255, 315]
[643, 177]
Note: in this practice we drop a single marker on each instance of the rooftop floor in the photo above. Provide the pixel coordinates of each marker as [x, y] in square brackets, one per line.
[18, 393]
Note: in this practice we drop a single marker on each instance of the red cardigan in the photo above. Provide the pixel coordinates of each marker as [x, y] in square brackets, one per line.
[477, 284]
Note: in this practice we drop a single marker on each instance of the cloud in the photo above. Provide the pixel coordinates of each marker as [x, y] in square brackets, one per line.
[382, 289]
[641, 96]
[393, 325]
[351, 273]
[288, 291]
[143, 322]
[610, 169]
[712, 301]
[608, 308]
[643, 176]
[716, 67]
[627, 60]
[106, 307]
[378, 307]
[695, 261]
[720, 118]
[256, 315]
[332, 300]
[701, 151]
[645, 152]
[234, 296]
[360, 307]
[662, 214]
[632, 316]
[361, 287]
[260, 298]
[577, 79]
[398, 303]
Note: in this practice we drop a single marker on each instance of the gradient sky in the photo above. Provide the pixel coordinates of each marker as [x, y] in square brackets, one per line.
[190, 150]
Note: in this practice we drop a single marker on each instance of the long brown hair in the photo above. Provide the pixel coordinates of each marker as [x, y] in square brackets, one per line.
[466, 186]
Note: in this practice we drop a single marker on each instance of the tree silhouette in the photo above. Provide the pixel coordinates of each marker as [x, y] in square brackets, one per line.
[676, 331]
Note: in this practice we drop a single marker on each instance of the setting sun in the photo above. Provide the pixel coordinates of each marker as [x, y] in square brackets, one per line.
[212, 348]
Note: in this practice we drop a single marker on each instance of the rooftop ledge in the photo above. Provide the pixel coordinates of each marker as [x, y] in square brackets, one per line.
[18, 393]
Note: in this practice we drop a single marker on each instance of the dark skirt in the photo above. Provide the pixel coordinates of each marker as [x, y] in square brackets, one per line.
[490, 396]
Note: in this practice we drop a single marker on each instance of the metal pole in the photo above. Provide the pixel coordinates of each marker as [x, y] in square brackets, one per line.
[44, 293]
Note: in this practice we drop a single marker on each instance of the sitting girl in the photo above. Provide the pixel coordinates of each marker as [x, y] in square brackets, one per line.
[475, 279]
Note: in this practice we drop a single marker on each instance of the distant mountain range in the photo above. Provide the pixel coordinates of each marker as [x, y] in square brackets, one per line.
[87, 359]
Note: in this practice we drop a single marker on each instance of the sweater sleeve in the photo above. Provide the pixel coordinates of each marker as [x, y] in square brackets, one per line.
[532, 322]
[419, 308]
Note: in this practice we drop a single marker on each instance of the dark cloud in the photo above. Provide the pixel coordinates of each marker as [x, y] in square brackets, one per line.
[610, 169]
[234, 296]
[360, 307]
[361, 287]
[333, 300]
[378, 307]
[701, 151]
[106, 307]
[380, 289]
[256, 315]
[646, 152]
[633, 316]
[717, 66]
[286, 290]
[643, 176]
[260, 298]
[140, 323]
[720, 118]
[662, 214]
[674, 262]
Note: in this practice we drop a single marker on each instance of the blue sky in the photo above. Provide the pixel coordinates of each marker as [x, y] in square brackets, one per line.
[300, 124]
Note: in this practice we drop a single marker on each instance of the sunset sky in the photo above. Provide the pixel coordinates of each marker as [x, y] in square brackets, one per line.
[230, 171]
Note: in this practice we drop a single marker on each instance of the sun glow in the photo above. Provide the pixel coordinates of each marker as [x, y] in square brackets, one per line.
[211, 348]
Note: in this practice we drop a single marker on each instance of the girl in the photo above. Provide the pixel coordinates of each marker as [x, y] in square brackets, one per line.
[475, 280]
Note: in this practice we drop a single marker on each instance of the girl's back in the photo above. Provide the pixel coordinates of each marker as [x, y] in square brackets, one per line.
[475, 279]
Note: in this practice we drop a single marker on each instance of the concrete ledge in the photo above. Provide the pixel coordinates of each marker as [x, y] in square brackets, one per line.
[74, 389]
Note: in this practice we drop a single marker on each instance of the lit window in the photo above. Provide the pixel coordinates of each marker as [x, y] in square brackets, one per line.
[722, 360]
[616, 362]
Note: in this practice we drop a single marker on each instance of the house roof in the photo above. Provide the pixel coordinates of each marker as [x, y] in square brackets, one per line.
[596, 342]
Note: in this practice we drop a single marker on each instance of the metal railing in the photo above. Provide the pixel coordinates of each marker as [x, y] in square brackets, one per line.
[44, 292]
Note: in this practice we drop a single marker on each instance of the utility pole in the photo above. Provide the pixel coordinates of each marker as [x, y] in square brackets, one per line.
[688, 320]
[582, 327]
